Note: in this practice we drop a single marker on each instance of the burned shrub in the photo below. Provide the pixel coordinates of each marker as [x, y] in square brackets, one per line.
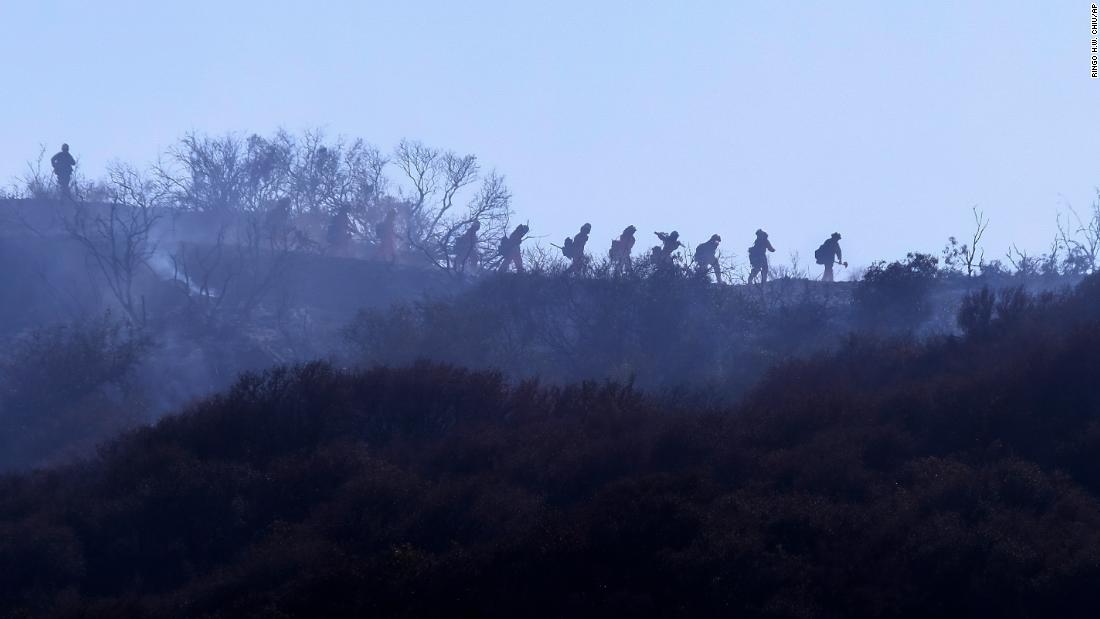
[976, 312]
[67, 387]
[895, 295]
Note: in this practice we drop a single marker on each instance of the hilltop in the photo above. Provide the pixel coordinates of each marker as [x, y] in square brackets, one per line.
[126, 342]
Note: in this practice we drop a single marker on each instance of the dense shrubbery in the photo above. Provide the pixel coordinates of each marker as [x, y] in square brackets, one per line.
[659, 330]
[896, 293]
[890, 478]
[664, 330]
[64, 388]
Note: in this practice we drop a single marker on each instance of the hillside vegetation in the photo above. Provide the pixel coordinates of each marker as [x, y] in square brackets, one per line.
[158, 284]
[891, 477]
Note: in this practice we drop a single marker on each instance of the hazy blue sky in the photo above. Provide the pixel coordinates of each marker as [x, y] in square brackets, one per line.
[883, 120]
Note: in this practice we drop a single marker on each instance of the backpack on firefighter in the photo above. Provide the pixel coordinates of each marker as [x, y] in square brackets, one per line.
[567, 247]
[757, 255]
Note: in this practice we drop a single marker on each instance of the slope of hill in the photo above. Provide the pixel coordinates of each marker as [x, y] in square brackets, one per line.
[889, 478]
[54, 279]
[204, 297]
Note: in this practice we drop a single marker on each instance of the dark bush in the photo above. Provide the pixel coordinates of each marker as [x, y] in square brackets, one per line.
[65, 388]
[976, 312]
[895, 295]
[660, 331]
[890, 478]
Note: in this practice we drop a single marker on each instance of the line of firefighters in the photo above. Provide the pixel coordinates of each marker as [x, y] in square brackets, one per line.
[705, 257]
[466, 252]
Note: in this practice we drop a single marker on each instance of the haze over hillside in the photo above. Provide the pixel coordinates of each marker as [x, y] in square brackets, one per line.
[160, 284]
[497, 309]
[885, 479]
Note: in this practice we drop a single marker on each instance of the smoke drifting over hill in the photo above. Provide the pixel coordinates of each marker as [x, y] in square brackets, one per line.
[258, 379]
[889, 477]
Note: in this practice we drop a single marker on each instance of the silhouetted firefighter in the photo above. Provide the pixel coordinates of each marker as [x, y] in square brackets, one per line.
[387, 237]
[63, 164]
[706, 257]
[573, 248]
[758, 257]
[829, 254]
[466, 253]
[619, 254]
[670, 242]
[510, 249]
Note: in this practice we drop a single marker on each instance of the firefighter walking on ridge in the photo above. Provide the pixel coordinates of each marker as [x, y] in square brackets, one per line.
[619, 254]
[466, 248]
[758, 257]
[706, 257]
[510, 249]
[573, 248]
[828, 255]
[670, 242]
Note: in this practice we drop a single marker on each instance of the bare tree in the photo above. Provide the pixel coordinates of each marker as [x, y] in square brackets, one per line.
[793, 270]
[204, 273]
[967, 257]
[300, 183]
[433, 219]
[420, 164]
[38, 182]
[1048, 262]
[207, 174]
[315, 173]
[303, 179]
[1025, 264]
[733, 271]
[260, 263]
[350, 178]
[267, 176]
[492, 209]
[362, 183]
[975, 255]
[229, 279]
[538, 258]
[117, 239]
[1080, 236]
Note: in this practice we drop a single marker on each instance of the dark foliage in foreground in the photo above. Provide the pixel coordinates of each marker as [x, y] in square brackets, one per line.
[896, 291]
[890, 478]
[67, 387]
[662, 331]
